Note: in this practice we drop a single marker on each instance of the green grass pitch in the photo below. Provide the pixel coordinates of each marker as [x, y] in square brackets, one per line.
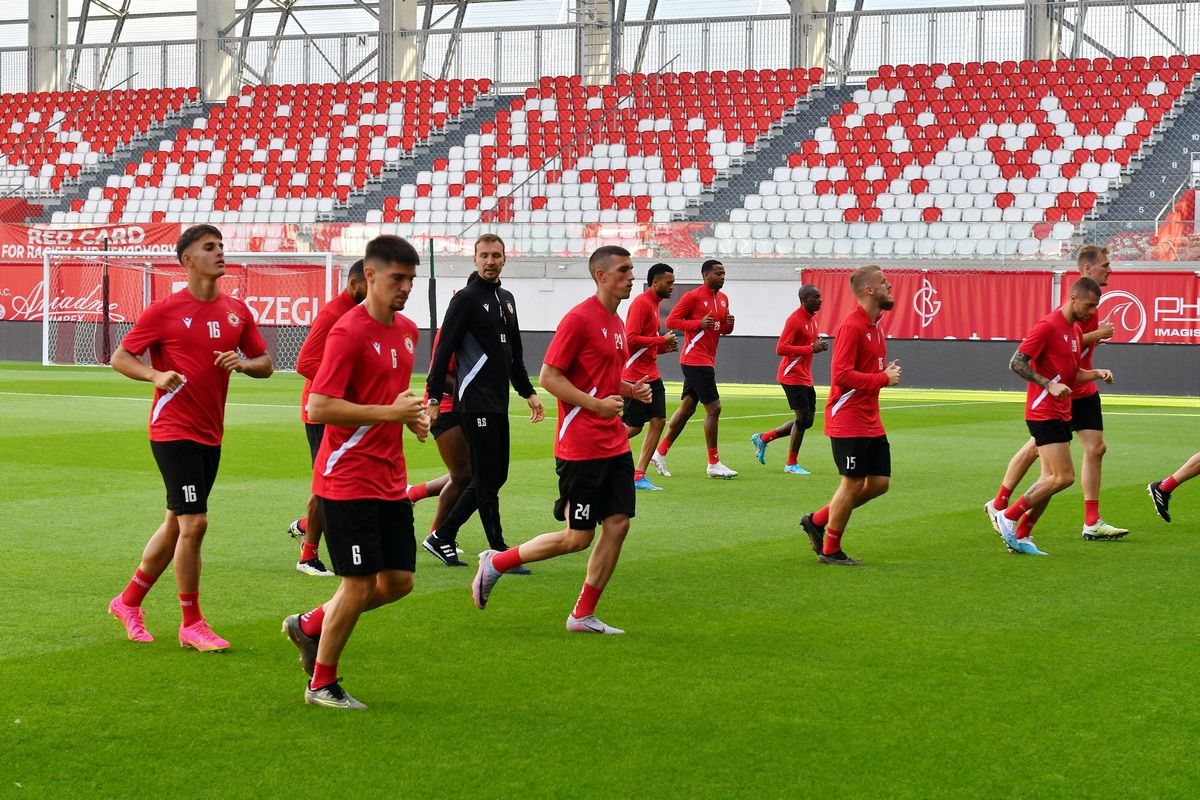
[946, 667]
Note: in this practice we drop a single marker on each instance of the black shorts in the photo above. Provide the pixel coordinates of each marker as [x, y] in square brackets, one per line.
[1049, 431]
[700, 383]
[447, 420]
[315, 431]
[594, 489]
[801, 398]
[636, 413]
[1085, 414]
[860, 456]
[363, 537]
[189, 470]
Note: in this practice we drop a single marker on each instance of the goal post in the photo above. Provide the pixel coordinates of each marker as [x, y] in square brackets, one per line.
[92, 298]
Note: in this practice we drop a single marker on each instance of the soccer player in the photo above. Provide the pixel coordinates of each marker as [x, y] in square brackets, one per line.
[860, 445]
[481, 332]
[363, 398]
[594, 464]
[308, 364]
[1086, 419]
[1160, 491]
[193, 337]
[643, 338]
[797, 345]
[703, 316]
[1054, 347]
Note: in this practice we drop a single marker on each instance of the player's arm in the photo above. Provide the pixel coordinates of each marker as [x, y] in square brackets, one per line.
[728, 329]
[328, 410]
[1104, 331]
[454, 327]
[787, 344]
[309, 360]
[128, 365]
[680, 317]
[259, 365]
[555, 381]
[843, 373]
[637, 329]
[1086, 375]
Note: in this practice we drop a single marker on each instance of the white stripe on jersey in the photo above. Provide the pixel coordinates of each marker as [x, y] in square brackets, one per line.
[1038, 400]
[795, 361]
[692, 343]
[166, 398]
[462, 389]
[635, 357]
[571, 414]
[841, 401]
[336, 455]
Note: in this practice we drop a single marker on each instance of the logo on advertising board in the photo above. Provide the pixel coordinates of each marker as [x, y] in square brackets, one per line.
[925, 303]
[1126, 313]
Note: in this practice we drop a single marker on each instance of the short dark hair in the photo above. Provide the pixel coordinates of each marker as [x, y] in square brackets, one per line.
[607, 251]
[192, 235]
[392, 250]
[709, 266]
[356, 270]
[487, 238]
[656, 270]
[807, 290]
[1085, 285]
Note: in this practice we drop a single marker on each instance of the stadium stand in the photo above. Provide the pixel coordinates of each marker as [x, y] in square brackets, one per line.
[279, 154]
[49, 139]
[980, 159]
[644, 149]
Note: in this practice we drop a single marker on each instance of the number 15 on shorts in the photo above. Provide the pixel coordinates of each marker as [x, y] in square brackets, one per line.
[851, 462]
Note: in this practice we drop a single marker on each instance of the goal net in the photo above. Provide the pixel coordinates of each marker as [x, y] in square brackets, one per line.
[93, 298]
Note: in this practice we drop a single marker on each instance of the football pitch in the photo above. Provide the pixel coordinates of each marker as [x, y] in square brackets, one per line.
[945, 667]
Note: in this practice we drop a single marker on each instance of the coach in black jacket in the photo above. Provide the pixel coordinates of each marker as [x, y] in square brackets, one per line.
[480, 331]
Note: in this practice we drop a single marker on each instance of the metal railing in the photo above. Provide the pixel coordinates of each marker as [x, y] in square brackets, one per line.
[850, 45]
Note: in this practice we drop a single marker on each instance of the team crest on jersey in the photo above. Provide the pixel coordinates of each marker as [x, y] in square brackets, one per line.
[376, 346]
[187, 322]
[233, 319]
[511, 310]
[408, 344]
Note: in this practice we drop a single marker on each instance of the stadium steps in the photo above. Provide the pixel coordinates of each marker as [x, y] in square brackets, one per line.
[1149, 187]
[130, 152]
[807, 118]
[405, 172]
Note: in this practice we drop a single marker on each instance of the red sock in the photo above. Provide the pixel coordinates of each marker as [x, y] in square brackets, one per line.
[302, 524]
[1168, 484]
[418, 492]
[311, 622]
[638, 474]
[1091, 512]
[1025, 526]
[1018, 508]
[663, 447]
[833, 541]
[137, 589]
[508, 559]
[712, 455]
[1001, 501]
[190, 603]
[586, 606]
[308, 552]
[821, 518]
[769, 436]
[792, 458]
[323, 675]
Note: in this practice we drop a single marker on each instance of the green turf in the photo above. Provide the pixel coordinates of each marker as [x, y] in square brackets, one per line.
[946, 667]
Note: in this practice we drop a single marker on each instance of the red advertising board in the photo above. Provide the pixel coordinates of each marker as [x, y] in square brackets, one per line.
[944, 305]
[1161, 307]
[21, 242]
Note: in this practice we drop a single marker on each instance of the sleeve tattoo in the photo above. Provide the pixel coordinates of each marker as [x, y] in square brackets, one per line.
[1020, 365]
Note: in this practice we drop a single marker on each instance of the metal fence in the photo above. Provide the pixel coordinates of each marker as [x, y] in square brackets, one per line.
[850, 45]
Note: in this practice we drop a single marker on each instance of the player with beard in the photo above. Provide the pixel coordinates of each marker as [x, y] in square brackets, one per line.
[860, 444]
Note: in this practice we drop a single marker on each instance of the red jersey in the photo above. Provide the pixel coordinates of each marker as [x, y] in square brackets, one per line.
[1087, 388]
[796, 348]
[699, 344]
[589, 347]
[184, 334]
[1053, 346]
[642, 325]
[856, 376]
[308, 363]
[369, 364]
